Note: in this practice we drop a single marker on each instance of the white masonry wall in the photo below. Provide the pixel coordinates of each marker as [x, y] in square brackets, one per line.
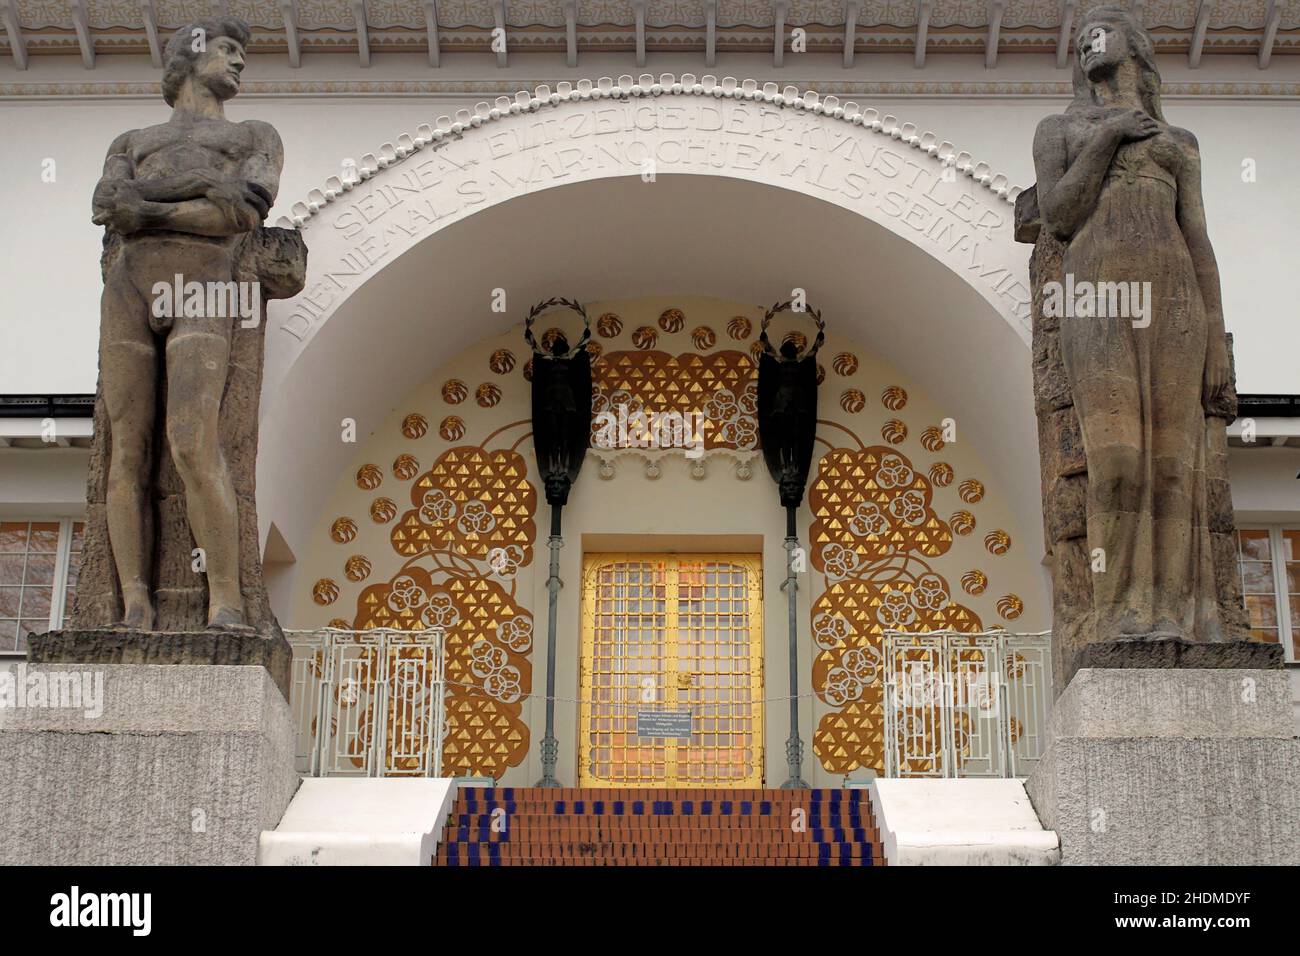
[49, 250]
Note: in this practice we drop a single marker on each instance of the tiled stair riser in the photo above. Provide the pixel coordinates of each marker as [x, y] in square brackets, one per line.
[580, 827]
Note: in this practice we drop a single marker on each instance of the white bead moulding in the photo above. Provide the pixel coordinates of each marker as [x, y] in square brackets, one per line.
[625, 87]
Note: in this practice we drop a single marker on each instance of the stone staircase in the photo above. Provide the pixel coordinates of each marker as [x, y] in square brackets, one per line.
[531, 826]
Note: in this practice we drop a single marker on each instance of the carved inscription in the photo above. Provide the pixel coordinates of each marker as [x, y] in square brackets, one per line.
[812, 154]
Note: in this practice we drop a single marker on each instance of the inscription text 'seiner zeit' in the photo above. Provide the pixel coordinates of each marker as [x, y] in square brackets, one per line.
[814, 154]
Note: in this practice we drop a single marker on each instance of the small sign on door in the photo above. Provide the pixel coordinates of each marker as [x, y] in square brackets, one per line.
[664, 723]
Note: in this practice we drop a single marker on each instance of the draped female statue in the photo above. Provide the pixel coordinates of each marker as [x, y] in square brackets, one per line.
[1121, 188]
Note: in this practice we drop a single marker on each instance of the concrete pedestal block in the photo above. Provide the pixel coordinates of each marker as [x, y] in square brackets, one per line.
[186, 764]
[1171, 767]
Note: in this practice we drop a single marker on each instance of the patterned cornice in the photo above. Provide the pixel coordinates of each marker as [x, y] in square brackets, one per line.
[118, 26]
[351, 89]
[313, 15]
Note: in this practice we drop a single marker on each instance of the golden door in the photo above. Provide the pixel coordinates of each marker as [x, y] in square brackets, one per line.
[671, 633]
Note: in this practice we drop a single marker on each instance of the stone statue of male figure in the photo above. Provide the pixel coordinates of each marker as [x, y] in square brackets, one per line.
[178, 199]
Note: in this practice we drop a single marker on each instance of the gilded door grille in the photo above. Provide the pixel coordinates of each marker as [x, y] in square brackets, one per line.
[672, 633]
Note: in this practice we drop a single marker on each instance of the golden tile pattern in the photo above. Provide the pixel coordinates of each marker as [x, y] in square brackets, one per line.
[488, 671]
[873, 528]
[471, 501]
[722, 386]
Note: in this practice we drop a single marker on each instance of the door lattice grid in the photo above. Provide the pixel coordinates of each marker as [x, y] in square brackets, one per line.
[671, 633]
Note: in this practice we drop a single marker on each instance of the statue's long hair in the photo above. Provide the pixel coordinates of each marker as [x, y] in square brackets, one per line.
[1143, 50]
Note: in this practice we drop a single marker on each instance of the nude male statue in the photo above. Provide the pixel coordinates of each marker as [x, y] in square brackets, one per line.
[179, 198]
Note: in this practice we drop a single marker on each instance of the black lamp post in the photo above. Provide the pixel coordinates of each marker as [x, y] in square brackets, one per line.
[787, 425]
[561, 435]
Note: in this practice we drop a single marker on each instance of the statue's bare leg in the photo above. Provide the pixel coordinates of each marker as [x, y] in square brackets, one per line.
[198, 353]
[128, 374]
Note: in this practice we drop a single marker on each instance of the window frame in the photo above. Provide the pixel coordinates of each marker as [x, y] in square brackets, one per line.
[1281, 589]
[62, 563]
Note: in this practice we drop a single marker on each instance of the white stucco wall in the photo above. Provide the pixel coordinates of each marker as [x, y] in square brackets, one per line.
[49, 249]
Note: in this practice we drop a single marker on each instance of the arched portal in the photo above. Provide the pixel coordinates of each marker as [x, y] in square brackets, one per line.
[735, 194]
[406, 268]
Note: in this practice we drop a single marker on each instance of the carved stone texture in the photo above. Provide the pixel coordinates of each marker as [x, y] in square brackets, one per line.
[187, 269]
[1131, 416]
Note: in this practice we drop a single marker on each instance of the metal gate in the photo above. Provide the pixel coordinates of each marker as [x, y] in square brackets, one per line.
[678, 635]
[368, 703]
[965, 705]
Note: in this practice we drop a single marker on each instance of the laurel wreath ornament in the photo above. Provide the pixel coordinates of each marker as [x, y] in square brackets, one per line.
[788, 306]
[546, 305]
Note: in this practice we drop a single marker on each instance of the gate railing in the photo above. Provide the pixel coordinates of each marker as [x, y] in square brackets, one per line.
[965, 705]
[368, 703]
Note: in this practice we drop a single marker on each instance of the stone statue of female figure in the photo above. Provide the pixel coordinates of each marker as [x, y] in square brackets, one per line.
[1121, 188]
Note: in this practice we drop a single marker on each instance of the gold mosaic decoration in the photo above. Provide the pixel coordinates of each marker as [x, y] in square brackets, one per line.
[722, 386]
[868, 505]
[488, 671]
[343, 530]
[405, 467]
[414, 426]
[471, 525]
[672, 320]
[997, 542]
[1010, 606]
[853, 401]
[894, 398]
[325, 592]
[452, 428]
[932, 439]
[471, 502]
[874, 527]
[470, 530]
[357, 567]
[454, 391]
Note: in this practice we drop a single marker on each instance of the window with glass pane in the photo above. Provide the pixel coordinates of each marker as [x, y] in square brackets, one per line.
[74, 568]
[1258, 590]
[29, 552]
[1290, 556]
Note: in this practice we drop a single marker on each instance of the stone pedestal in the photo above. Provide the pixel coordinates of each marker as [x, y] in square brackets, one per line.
[186, 764]
[1159, 766]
